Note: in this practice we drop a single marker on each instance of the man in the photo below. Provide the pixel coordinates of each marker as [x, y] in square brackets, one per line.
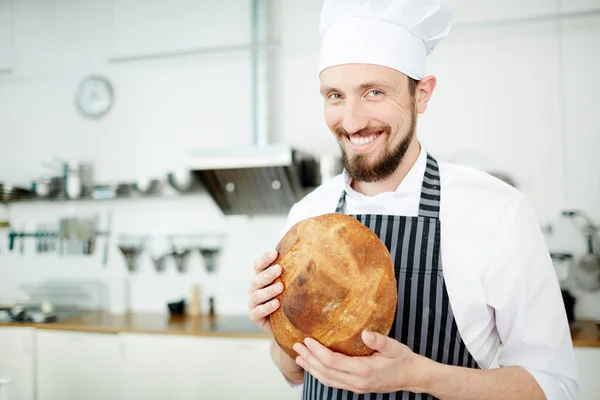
[472, 267]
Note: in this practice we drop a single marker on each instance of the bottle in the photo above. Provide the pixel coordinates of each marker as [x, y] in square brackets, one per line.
[194, 309]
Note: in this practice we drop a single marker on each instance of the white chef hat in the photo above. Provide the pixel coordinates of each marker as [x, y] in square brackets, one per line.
[398, 34]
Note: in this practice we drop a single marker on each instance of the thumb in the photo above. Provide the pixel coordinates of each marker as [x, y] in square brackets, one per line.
[385, 345]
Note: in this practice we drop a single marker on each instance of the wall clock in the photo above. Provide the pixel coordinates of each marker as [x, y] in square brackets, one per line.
[94, 97]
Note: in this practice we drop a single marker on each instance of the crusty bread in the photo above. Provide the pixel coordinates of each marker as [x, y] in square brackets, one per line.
[338, 281]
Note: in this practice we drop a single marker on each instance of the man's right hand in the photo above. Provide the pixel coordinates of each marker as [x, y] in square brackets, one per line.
[262, 304]
[262, 291]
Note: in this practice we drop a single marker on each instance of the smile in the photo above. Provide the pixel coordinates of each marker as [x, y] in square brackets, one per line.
[362, 143]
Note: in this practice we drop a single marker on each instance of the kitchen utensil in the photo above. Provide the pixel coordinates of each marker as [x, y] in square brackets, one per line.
[159, 262]
[149, 187]
[180, 256]
[107, 239]
[184, 182]
[210, 257]
[73, 187]
[569, 302]
[562, 265]
[131, 253]
[126, 189]
[587, 272]
[177, 307]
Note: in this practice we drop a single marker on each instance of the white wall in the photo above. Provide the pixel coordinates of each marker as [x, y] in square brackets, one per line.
[516, 97]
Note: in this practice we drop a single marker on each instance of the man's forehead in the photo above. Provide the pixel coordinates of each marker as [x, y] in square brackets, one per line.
[358, 76]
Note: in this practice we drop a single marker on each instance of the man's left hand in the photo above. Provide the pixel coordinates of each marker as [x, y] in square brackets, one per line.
[392, 367]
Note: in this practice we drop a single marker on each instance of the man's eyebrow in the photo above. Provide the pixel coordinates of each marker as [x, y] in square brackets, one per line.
[379, 84]
[327, 89]
[365, 85]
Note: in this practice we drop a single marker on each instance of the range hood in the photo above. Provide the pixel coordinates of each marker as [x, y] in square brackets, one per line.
[263, 178]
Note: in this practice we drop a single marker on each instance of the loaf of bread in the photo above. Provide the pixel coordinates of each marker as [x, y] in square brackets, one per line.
[338, 280]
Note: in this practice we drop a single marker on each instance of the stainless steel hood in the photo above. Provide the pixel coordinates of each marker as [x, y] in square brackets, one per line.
[264, 178]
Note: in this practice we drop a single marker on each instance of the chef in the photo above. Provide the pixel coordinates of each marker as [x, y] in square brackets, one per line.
[489, 281]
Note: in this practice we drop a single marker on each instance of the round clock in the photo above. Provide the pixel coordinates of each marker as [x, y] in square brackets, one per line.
[94, 96]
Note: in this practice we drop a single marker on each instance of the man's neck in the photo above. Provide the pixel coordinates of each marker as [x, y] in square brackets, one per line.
[391, 183]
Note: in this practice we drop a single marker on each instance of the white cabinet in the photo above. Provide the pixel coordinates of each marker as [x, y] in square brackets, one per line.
[17, 363]
[170, 366]
[242, 368]
[161, 367]
[77, 366]
[588, 360]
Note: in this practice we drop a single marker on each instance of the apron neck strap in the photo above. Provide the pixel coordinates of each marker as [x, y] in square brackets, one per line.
[429, 206]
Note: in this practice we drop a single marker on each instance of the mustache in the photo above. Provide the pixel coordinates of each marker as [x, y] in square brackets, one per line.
[366, 131]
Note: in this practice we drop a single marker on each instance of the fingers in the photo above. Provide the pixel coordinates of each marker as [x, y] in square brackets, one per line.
[329, 376]
[261, 296]
[337, 361]
[265, 260]
[259, 313]
[265, 278]
[385, 345]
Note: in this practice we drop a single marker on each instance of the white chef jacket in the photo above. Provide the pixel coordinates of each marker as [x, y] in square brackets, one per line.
[499, 275]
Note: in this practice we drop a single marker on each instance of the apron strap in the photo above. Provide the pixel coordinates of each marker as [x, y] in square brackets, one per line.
[430, 191]
[339, 209]
[429, 205]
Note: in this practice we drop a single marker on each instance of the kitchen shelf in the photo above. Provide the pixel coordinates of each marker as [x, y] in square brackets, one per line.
[105, 199]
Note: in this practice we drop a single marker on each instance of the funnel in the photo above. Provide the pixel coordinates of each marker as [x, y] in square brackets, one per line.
[159, 262]
[180, 256]
[131, 253]
[210, 256]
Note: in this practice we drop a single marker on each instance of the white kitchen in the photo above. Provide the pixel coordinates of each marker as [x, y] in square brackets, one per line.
[132, 242]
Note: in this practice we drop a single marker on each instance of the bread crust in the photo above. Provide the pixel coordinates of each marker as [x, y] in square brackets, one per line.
[338, 280]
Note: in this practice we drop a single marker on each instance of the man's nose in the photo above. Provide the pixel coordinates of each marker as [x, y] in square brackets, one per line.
[354, 119]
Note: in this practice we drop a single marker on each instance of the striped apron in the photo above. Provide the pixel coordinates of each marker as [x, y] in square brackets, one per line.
[424, 320]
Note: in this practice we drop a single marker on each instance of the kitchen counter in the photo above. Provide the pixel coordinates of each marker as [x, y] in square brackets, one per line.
[204, 325]
[584, 333]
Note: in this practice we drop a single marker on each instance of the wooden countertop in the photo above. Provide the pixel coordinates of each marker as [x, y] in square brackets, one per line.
[584, 333]
[101, 322]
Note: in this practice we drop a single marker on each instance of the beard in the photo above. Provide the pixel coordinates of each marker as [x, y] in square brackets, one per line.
[360, 168]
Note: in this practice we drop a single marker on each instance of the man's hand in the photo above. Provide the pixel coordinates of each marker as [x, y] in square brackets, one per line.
[262, 291]
[395, 367]
[263, 303]
[392, 367]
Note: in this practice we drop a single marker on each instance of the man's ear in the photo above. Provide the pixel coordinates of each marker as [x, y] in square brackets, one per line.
[423, 93]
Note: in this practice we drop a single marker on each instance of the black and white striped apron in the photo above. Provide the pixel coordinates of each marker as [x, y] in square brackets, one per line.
[424, 320]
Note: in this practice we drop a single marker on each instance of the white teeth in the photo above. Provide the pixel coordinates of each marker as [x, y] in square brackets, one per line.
[362, 141]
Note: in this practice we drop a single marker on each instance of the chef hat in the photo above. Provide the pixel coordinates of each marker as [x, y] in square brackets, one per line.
[398, 34]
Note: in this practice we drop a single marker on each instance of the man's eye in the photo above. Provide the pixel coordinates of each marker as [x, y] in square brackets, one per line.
[375, 92]
[334, 96]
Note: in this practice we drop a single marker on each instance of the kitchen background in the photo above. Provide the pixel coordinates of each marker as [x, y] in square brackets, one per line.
[518, 88]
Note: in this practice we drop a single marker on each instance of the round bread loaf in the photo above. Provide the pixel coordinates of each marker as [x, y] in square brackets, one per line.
[338, 280]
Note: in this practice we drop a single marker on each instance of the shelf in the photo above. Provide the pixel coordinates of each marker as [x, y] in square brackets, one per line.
[105, 199]
[192, 52]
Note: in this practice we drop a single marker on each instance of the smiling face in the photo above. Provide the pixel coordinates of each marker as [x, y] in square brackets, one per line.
[372, 110]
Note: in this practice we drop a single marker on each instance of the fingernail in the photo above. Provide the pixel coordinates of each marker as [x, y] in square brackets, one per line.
[368, 336]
